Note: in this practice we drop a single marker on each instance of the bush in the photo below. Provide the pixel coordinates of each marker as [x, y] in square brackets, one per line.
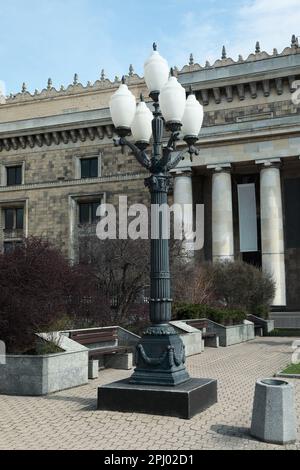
[41, 291]
[244, 287]
[231, 285]
[223, 316]
[193, 283]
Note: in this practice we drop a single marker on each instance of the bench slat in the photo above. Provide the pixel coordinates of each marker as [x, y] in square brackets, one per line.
[95, 336]
[107, 351]
[94, 339]
[93, 333]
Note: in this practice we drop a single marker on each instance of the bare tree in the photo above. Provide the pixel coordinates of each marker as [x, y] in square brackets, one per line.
[121, 270]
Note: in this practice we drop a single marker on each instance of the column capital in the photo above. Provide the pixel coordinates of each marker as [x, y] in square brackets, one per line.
[220, 167]
[183, 171]
[269, 163]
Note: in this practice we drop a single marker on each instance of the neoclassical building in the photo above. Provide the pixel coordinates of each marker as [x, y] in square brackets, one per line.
[58, 163]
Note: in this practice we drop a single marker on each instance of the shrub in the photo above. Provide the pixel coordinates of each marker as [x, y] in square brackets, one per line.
[231, 285]
[40, 291]
[223, 316]
[242, 286]
[192, 283]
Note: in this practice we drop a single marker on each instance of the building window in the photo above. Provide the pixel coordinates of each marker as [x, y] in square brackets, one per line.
[8, 247]
[89, 167]
[87, 212]
[14, 219]
[14, 175]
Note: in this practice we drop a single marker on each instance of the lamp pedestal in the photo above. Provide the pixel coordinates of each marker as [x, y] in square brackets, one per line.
[183, 401]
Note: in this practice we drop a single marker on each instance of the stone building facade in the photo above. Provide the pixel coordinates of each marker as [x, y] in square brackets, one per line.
[58, 163]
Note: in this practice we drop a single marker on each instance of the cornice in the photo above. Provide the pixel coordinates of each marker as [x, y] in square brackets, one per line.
[56, 137]
[246, 131]
[217, 133]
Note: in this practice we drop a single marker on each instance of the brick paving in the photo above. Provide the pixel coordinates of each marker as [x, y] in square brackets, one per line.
[70, 420]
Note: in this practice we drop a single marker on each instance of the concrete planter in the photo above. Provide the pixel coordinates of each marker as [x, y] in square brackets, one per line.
[191, 338]
[230, 335]
[288, 376]
[41, 375]
[266, 325]
[274, 416]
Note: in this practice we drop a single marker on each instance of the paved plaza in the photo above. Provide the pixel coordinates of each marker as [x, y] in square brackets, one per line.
[70, 420]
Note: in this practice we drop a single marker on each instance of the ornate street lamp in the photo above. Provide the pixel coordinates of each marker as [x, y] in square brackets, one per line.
[160, 354]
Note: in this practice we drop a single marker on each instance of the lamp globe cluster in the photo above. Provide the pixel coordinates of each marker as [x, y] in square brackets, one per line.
[178, 112]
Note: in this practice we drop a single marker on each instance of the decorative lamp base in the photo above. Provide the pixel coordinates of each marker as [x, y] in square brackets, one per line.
[183, 401]
[160, 358]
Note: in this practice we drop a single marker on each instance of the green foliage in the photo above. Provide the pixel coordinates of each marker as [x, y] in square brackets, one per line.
[43, 348]
[285, 332]
[223, 316]
[292, 369]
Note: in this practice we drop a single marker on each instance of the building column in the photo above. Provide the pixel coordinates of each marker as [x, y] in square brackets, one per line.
[183, 195]
[272, 237]
[222, 218]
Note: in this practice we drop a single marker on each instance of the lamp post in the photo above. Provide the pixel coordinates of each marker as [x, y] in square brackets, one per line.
[160, 358]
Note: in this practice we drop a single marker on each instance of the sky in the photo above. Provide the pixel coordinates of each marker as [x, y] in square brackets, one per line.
[41, 39]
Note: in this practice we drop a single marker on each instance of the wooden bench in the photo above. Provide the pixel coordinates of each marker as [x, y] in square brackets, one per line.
[258, 329]
[95, 337]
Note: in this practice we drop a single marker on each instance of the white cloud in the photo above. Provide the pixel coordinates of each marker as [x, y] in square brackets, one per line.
[197, 34]
[272, 22]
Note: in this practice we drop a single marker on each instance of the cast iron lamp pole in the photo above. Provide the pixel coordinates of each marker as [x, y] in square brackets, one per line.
[161, 353]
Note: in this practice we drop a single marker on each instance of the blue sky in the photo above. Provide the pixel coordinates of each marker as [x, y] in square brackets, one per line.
[56, 38]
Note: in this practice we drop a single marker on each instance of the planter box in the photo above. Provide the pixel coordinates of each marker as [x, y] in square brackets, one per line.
[230, 335]
[41, 375]
[266, 325]
[191, 337]
[288, 376]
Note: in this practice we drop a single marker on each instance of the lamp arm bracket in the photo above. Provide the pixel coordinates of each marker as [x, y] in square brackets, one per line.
[173, 164]
[167, 151]
[174, 137]
[140, 155]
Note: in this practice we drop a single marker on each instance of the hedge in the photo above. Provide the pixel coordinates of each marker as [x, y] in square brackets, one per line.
[223, 316]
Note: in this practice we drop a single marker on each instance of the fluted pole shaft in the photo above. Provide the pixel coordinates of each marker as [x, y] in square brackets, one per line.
[160, 293]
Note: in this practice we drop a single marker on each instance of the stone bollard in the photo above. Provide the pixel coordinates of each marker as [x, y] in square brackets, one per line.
[274, 416]
[93, 369]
